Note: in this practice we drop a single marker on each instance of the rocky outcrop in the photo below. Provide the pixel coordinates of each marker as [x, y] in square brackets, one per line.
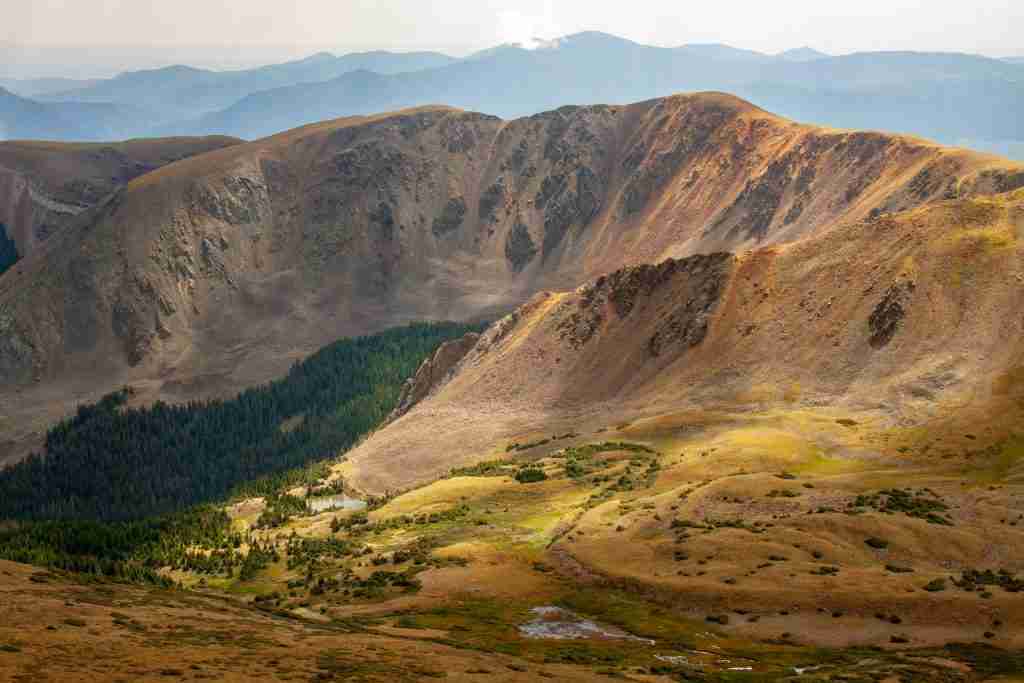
[885, 320]
[519, 248]
[433, 373]
[451, 217]
[8, 250]
[695, 284]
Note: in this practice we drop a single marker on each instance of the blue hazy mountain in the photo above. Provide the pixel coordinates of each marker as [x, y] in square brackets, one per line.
[954, 98]
[177, 92]
[24, 118]
[946, 96]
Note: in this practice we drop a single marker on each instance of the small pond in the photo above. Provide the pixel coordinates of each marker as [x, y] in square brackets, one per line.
[320, 504]
[561, 624]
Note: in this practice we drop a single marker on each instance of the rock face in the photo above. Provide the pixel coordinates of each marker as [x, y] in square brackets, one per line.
[886, 318]
[433, 373]
[214, 273]
[617, 295]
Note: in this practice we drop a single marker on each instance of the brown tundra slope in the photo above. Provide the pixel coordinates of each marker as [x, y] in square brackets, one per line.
[905, 324]
[44, 186]
[218, 271]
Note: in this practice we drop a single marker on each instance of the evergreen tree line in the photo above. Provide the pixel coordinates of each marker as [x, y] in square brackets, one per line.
[112, 462]
[130, 551]
[8, 251]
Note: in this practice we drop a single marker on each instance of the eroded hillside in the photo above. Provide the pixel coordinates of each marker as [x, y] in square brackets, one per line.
[218, 271]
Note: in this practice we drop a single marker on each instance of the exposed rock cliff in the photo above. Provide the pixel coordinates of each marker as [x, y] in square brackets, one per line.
[433, 373]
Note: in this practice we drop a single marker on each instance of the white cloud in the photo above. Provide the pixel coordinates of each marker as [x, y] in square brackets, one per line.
[533, 31]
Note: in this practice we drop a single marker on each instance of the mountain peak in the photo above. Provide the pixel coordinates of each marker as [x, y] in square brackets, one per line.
[322, 56]
[802, 54]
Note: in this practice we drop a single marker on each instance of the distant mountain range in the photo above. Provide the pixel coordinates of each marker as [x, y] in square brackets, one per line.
[36, 87]
[178, 92]
[23, 118]
[947, 96]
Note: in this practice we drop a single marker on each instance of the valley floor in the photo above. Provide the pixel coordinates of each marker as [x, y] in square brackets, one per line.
[774, 546]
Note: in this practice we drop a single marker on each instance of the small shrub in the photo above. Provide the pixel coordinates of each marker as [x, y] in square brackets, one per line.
[971, 580]
[530, 475]
[825, 571]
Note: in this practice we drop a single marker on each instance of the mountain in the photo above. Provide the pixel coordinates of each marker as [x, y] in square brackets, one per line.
[802, 54]
[749, 403]
[176, 92]
[509, 81]
[719, 51]
[25, 118]
[35, 87]
[948, 97]
[45, 186]
[216, 272]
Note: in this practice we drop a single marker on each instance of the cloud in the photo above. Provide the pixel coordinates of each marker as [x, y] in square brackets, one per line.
[530, 31]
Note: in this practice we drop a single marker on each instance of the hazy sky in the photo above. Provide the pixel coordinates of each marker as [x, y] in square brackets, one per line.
[236, 33]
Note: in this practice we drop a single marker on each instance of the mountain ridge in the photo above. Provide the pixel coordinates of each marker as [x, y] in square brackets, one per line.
[181, 91]
[217, 271]
[44, 186]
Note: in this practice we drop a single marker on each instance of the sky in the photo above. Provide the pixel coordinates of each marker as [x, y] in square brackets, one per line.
[93, 38]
